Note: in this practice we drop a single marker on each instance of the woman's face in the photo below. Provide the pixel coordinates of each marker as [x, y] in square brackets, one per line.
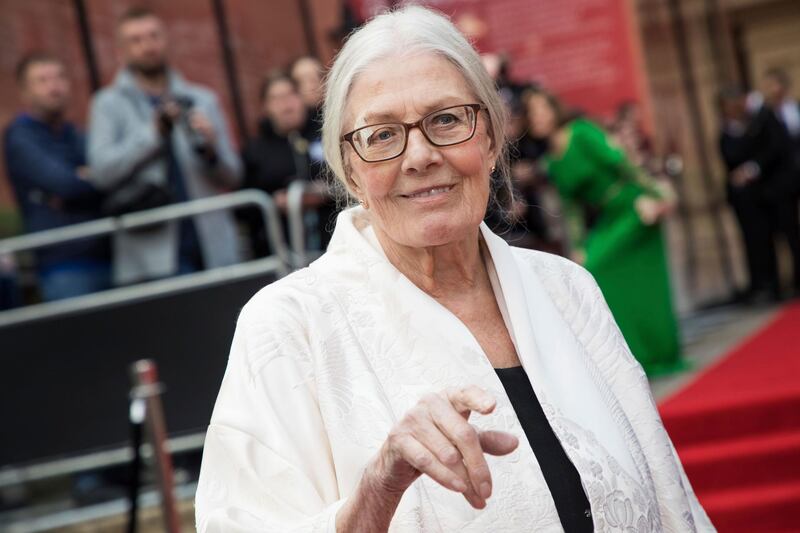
[427, 196]
[284, 107]
[307, 73]
[541, 116]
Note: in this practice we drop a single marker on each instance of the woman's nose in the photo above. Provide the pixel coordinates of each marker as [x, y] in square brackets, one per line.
[420, 154]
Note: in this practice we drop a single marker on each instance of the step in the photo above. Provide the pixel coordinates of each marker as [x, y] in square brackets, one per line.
[754, 460]
[736, 417]
[765, 508]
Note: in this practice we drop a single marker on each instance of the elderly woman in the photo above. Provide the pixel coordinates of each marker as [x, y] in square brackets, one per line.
[423, 375]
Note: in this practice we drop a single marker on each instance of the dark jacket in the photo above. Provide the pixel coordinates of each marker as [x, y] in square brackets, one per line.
[765, 142]
[794, 139]
[273, 161]
[41, 163]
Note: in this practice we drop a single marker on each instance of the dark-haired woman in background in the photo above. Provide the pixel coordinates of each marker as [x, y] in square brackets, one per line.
[281, 152]
[624, 248]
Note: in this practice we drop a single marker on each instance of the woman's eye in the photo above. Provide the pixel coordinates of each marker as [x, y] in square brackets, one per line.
[445, 119]
[380, 136]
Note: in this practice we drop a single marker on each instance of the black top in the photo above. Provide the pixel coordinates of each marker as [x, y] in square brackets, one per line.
[271, 160]
[560, 474]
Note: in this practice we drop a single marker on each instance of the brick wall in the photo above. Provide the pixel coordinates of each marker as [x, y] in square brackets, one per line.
[264, 34]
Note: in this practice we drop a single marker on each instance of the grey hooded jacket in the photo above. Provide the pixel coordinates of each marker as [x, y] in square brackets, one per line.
[126, 152]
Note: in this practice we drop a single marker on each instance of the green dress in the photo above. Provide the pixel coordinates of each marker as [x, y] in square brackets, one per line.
[626, 257]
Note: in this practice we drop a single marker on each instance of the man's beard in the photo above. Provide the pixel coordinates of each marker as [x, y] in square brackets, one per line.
[150, 71]
[51, 112]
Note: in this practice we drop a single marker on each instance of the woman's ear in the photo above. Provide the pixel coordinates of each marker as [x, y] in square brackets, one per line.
[494, 157]
[356, 191]
[494, 152]
[352, 184]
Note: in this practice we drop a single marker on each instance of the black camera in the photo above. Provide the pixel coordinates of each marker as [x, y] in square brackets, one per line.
[186, 104]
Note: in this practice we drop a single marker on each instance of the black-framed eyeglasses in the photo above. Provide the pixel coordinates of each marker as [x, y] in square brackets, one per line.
[444, 127]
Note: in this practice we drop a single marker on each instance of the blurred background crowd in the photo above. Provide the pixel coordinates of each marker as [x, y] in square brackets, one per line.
[656, 142]
[158, 125]
[152, 138]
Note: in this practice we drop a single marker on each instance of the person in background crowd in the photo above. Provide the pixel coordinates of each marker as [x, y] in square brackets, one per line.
[279, 153]
[46, 163]
[156, 139]
[528, 228]
[629, 133]
[307, 73]
[499, 66]
[624, 249]
[777, 87]
[762, 189]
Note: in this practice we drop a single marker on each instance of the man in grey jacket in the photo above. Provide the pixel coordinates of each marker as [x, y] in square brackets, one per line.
[154, 139]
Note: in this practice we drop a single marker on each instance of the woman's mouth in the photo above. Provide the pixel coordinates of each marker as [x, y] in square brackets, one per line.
[426, 193]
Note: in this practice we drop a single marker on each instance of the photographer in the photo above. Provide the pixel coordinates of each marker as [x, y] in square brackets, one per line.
[156, 139]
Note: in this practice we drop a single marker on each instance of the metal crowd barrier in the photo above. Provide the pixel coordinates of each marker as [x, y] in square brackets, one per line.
[280, 263]
[61, 359]
[295, 219]
[110, 225]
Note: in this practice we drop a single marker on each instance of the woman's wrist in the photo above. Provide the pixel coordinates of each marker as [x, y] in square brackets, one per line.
[371, 507]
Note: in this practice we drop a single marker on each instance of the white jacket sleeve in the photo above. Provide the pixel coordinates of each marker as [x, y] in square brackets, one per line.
[266, 462]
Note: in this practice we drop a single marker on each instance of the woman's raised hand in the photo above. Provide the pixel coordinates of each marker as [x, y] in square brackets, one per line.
[435, 439]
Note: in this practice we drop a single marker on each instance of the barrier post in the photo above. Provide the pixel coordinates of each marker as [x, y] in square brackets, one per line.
[146, 387]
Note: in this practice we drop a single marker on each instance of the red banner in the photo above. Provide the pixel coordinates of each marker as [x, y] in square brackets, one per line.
[583, 50]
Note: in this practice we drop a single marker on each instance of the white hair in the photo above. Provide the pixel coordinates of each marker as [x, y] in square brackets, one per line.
[409, 30]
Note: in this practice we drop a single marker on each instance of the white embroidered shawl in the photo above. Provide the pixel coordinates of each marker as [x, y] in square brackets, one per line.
[326, 360]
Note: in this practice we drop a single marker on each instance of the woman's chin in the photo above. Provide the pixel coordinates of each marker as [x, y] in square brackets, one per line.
[441, 230]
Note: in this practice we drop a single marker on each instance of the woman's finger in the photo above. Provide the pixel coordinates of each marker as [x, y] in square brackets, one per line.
[454, 426]
[460, 470]
[418, 456]
[421, 424]
[471, 496]
[471, 398]
[497, 442]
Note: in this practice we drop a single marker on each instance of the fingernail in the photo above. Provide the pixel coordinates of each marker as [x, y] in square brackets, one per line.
[460, 485]
[486, 490]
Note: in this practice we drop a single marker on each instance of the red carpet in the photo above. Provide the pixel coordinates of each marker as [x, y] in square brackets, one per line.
[737, 431]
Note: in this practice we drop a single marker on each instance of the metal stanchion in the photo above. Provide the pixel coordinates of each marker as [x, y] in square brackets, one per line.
[146, 412]
[136, 416]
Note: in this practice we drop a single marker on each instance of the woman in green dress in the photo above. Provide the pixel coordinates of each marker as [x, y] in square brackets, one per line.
[624, 247]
